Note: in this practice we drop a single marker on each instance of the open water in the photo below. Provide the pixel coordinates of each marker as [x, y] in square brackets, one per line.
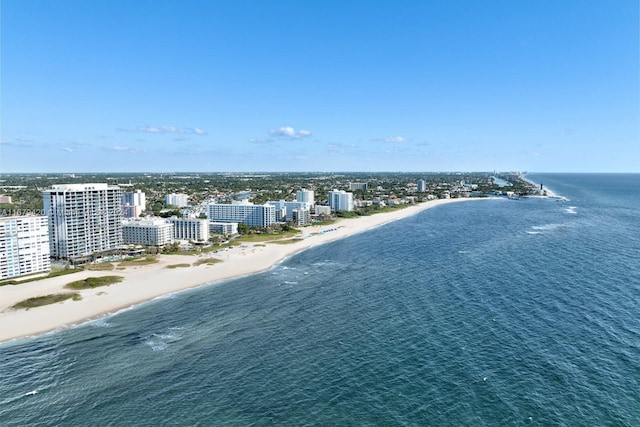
[502, 312]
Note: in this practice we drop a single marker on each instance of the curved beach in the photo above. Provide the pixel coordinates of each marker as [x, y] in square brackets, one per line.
[144, 283]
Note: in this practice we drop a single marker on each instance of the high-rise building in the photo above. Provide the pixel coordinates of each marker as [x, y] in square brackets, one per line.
[340, 200]
[133, 204]
[353, 186]
[148, 231]
[422, 185]
[304, 195]
[84, 219]
[24, 245]
[179, 200]
[244, 212]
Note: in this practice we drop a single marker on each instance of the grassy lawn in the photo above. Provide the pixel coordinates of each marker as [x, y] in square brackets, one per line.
[93, 282]
[46, 300]
[182, 265]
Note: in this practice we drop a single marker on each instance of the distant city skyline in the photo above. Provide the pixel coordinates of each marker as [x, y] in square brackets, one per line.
[212, 86]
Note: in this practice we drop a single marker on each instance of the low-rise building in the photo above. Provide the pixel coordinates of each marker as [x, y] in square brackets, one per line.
[149, 231]
[192, 229]
[224, 228]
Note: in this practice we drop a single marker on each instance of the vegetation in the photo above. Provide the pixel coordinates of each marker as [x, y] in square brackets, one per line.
[149, 259]
[207, 261]
[287, 241]
[94, 282]
[37, 276]
[182, 265]
[105, 266]
[46, 300]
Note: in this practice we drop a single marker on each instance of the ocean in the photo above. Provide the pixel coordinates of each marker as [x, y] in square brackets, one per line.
[487, 313]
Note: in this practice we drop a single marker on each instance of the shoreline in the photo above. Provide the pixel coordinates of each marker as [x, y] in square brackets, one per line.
[149, 282]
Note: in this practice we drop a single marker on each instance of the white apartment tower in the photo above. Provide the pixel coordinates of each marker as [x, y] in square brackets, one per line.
[179, 200]
[305, 195]
[340, 200]
[24, 246]
[84, 219]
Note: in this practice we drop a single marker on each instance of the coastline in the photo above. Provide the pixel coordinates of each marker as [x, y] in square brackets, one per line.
[148, 282]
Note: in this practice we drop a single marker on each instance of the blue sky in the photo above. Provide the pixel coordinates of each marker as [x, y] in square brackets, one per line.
[447, 85]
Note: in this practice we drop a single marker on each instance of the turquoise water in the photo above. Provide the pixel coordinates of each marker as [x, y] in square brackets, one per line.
[501, 312]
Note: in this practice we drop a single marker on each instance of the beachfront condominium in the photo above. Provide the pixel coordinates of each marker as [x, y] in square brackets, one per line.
[244, 212]
[224, 228]
[340, 200]
[133, 204]
[192, 229]
[84, 220]
[422, 185]
[284, 210]
[179, 200]
[304, 195]
[148, 231]
[24, 246]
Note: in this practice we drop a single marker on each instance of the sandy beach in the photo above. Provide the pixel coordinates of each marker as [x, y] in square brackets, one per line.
[144, 283]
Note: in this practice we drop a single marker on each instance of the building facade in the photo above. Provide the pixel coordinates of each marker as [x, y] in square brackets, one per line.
[422, 185]
[192, 229]
[133, 204]
[340, 200]
[147, 231]
[84, 220]
[301, 217]
[286, 209]
[224, 228]
[179, 200]
[244, 212]
[24, 246]
[304, 195]
[353, 186]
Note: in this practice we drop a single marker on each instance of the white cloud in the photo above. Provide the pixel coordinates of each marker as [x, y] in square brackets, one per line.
[289, 132]
[164, 130]
[67, 149]
[122, 149]
[395, 139]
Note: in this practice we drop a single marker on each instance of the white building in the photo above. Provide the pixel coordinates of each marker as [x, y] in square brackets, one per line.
[133, 204]
[224, 228]
[244, 212]
[322, 210]
[340, 200]
[179, 200]
[305, 195]
[288, 208]
[24, 245]
[84, 219]
[422, 185]
[196, 230]
[147, 231]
